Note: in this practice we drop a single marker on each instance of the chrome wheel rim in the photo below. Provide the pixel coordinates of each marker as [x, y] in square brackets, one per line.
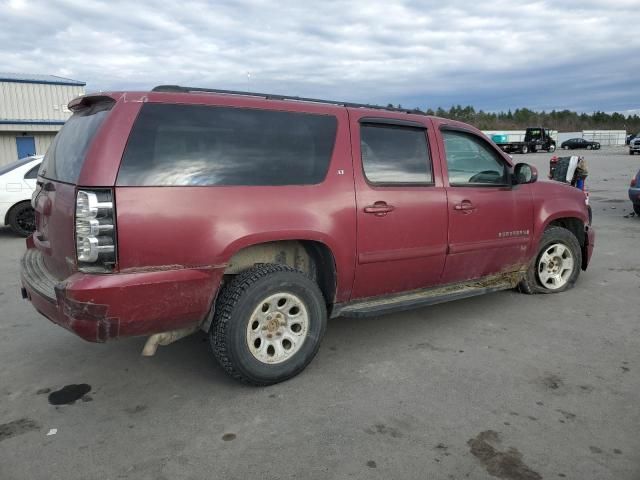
[555, 266]
[277, 328]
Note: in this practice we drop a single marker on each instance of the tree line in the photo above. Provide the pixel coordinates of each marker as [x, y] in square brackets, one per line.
[521, 118]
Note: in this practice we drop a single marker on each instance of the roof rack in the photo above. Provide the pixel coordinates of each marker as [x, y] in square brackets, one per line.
[270, 96]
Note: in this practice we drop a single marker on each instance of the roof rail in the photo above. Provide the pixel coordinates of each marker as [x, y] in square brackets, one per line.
[270, 96]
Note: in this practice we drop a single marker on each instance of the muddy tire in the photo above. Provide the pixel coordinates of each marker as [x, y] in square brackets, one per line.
[268, 324]
[556, 266]
[21, 219]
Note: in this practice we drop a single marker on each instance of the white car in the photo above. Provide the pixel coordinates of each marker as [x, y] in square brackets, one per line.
[17, 183]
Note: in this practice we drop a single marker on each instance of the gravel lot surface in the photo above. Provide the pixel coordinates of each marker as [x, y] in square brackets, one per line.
[506, 385]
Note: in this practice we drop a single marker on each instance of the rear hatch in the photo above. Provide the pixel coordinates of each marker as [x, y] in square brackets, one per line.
[54, 199]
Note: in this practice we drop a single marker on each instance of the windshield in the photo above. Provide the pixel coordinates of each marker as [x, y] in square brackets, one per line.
[65, 156]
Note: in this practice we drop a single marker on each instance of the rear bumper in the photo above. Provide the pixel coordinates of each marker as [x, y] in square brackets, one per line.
[103, 307]
[587, 250]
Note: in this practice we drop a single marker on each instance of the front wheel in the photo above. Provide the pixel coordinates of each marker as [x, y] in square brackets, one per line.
[524, 149]
[268, 324]
[556, 266]
[552, 148]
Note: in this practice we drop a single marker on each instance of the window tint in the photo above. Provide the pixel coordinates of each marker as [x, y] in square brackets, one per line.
[392, 154]
[32, 173]
[472, 161]
[65, 156]
[201, 145]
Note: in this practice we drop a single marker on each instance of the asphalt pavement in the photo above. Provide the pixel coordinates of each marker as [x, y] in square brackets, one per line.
[506, 385]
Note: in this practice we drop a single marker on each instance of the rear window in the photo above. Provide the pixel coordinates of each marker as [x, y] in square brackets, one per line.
[65, 156]
[202, 145]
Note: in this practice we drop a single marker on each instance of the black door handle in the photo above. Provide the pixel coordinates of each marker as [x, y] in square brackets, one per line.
[379, 209]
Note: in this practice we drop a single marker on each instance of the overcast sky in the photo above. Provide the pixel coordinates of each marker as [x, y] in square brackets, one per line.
[576, 54]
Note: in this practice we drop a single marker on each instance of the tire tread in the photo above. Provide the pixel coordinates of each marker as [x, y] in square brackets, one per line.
[529, 283]
[228, 299]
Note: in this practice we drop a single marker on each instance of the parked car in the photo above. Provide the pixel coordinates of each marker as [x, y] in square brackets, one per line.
[256, 217]
[574, 143]
[634, 193]
[17, 183]
[631, 136]
[634, 146]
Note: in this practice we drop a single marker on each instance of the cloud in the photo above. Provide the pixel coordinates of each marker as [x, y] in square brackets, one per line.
[495, 55]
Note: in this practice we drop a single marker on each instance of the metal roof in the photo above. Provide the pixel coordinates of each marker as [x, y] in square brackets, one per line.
[46, 79]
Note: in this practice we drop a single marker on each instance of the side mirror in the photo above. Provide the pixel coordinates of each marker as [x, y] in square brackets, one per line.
[524, 173]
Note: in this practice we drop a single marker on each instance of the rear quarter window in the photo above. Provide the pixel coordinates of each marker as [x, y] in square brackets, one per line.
[203, 145]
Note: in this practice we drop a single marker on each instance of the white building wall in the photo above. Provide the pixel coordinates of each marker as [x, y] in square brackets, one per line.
[36, 101]
[43, 141]
[8, 149]
[31, 100]
[606, 137]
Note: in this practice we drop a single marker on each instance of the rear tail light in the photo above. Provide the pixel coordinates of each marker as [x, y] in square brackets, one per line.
[634, 181]
[95, 230]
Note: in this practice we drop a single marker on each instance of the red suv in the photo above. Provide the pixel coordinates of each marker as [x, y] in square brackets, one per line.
[256, 217]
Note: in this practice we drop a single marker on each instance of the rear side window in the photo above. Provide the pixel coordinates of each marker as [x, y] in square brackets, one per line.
[65, 156]
[394, 154]
[32, 173]
[202, 145]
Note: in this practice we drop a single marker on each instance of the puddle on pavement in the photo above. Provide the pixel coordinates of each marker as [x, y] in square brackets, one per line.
[69, 394]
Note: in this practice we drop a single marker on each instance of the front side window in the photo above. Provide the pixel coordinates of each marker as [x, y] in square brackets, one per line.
[471, 161]
[200, 145]
[395, 154]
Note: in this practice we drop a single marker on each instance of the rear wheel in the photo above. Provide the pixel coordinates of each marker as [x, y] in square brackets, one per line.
[556, 266]
[268, 324]
[21, 219]
[636, 208]
[589, 147]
